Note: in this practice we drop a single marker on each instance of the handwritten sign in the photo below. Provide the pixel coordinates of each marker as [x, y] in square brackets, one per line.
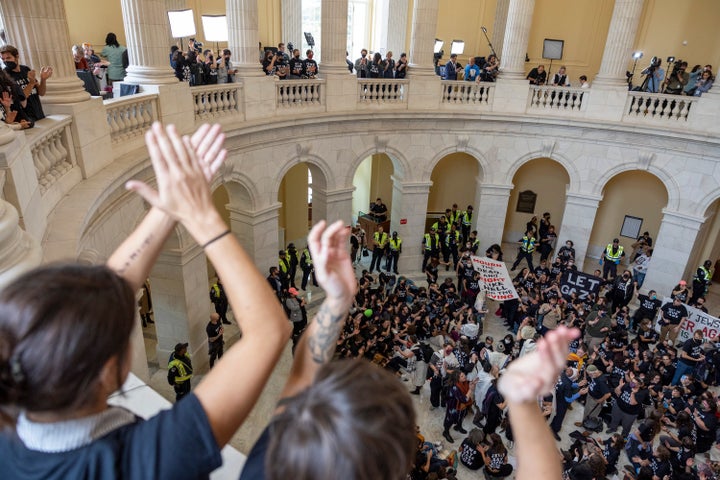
[582, 284]
[697, 320]
[494, 279]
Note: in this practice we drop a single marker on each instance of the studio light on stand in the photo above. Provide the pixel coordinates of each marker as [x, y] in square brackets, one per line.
[216, 29]
[438, 45]
[438, 53]
[182, 23]
[636, 56]
[457, 47]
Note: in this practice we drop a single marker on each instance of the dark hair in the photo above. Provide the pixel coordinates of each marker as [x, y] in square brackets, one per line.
[335, 426]
[10, 49]
[111, 39]
[59, 325]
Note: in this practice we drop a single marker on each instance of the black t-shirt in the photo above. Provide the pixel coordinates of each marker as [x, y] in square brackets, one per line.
[648, 307]
[624, 400]
[310, 67]
[694, 350]
[176, 443]
[33, 109]
[469, 456]
[296, 66]
[213, 330]
[673, 314]
[598, 387]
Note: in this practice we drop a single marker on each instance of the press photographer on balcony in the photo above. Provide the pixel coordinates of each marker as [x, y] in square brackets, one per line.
[676, 81]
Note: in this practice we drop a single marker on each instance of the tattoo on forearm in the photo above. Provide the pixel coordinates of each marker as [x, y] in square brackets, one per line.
[323, 340]
[134, 255]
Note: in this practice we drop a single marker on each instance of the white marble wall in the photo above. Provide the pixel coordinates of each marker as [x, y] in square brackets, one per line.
[490, 211]
[409, 203]
[577, 224]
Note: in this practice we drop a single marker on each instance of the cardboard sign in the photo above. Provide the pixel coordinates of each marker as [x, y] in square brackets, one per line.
[697, 320]
[581, 283]
[494, 279]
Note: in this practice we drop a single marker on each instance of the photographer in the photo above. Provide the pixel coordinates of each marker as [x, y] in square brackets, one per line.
[676, 81]
[655, 75]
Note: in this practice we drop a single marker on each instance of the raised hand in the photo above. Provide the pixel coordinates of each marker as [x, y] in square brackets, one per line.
[536, 373]
[333, 268]
[45, 73]
[207, 141]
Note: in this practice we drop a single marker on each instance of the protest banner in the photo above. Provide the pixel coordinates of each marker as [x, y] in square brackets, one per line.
[697, 320]
[580, 283]
[494, 279]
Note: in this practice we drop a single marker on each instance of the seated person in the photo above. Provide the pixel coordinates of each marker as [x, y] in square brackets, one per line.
[11, 104]
[79, 58]
[537, 75]
[378, 210]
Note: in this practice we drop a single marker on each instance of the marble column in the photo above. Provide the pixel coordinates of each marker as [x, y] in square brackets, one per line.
[517, 34]
[19, 251]
[291, 13]
[491, 203]
[333, 205]
[243, 36]
[181, 305]
[146, 31]
[40, 32]
[397, 26]
[334, 37]
[498, 33]
[257, 232]
[407, 217]
[672, 251]
[577, 223]
[422, 41]
[620, 40]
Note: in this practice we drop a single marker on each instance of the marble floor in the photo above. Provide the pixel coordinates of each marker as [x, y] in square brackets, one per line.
[430, 421]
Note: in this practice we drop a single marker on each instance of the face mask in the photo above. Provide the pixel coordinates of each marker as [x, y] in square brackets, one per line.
[11, 65]
[363, 55]
[654, 297]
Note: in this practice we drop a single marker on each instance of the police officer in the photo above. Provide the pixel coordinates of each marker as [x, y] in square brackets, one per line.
[380, 239]
[284, 265]
[214, 331]
[291, 255]
[701, 281]
[180, 371]
[219, 300]
[611, 258]
[306, 263]
[431, 242]
[527, 247]
[452, 240]
[395, 249]
[466, 222]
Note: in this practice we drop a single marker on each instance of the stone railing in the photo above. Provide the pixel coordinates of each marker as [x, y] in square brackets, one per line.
[467, 93]
[52, 152]
[215, 101]
[131, 116]
[557, 98]
[381, 91]
[657, 106]
[300, 93]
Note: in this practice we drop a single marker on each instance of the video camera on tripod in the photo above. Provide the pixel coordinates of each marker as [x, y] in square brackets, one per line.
[677, 65]
[654, 64]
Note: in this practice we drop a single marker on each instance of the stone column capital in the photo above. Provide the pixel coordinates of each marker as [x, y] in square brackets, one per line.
[583, 199]
[255, 217]
[491, 189]
[411, 187]
[682, 219]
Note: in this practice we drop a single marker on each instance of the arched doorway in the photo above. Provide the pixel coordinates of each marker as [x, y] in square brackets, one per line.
[539, 187]
[632, 203]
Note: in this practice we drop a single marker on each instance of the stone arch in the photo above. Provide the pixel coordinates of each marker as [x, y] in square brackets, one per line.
[400, 163]
[568, 165]
[323, 175]
[671, 186]
[241, 190]
[483, 166]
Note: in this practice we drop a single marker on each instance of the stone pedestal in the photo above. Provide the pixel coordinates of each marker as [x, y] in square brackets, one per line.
[491, 203]
[517, 34]
[408, 212]
[257, 232]
[180, 301]
[511, 95]
[259, 93]
[20, 184]
[607, 102]
[672, 251]
[422, 41]
[577, 223]
[146, 30]
[39, 30]
[175, 105]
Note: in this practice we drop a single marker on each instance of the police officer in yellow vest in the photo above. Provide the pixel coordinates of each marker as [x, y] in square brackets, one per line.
[466, 222]
[431, 244]
[452, 243]
[527, 247]
[180, 371]
[611, 258]
[306, 263]
[701, 281]
[380, 240]
[284, 264]
[394, 251]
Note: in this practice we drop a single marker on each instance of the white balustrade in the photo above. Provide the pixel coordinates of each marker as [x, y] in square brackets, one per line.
[52, 152]
[130, 116]
[467, 93]
[657, 106]
[557, 98]
[382, 91]
[214, 101]
[300, 93]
